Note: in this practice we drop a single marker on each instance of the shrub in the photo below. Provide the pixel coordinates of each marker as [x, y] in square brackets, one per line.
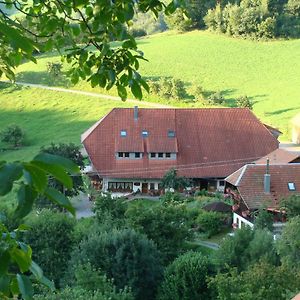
[264, 220]
[125, 256]
[216, 98]
[51, 238]
[54, 68]
[186, 278]
[168, 88]
[167, 225]
[13, 135]
[138, 32]
[198, 92]
[291, 205]
[210, 222]
[106, 205]
[244, 101]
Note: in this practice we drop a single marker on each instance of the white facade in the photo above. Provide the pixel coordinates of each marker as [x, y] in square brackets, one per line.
[240, 221]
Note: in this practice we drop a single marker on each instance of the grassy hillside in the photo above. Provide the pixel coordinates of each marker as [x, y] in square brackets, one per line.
[268, 72]
[48, 116]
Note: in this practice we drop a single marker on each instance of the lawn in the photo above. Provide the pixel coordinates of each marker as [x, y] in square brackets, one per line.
[268, 72]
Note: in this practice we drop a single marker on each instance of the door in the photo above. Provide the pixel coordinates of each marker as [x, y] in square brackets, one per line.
[144, 188]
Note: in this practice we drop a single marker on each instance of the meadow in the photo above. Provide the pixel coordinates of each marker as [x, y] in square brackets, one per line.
[267, 72]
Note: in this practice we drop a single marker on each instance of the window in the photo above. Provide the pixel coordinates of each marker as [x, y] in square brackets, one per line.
[152, 186]
[171, 133]
[168, 155]
[152, 155]
[121, 154]
[292, 186]
[145, 133]
[123, 133]
[127, 154]
[137, 154]
[221, 183]
[160, 155]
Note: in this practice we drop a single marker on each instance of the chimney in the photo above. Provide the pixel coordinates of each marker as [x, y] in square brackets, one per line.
[267, 179]
[136, 113]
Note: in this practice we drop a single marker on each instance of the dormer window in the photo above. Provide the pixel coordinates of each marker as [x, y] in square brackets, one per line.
[291, 186]
[171, 133]
[137, 154]
[123, 133]
[145, 133]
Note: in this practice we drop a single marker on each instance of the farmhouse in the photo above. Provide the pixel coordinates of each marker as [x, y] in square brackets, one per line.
[131, 149]
[256, 186]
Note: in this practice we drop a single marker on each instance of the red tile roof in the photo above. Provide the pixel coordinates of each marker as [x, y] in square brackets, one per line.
[279, 156]
[210, 142]
[249, 181]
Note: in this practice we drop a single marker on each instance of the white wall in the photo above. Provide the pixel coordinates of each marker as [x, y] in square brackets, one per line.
[237, 219]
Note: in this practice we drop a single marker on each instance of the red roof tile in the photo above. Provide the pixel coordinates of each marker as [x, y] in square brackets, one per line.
[210, 142]
[279, 156]
[249, 181]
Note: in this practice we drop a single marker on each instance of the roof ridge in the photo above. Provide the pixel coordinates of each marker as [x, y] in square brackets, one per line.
[241, 175]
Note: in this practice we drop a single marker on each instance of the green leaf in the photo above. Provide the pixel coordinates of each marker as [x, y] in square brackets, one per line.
[136, 90]
[51, 159]
[4, 283]
[57, 172]
[9, 173]
[36, 271]
[26, 196]
[144, 85]
[22, 259]
[14, 288]
[37, 176]
[122, 92]
[4, 259]
[46, 282]
[58, 198]
[129, 44]
[16, 38]
[25, 286]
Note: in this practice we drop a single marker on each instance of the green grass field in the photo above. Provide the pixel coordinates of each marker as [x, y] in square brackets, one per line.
[268, 72]
[48, 116]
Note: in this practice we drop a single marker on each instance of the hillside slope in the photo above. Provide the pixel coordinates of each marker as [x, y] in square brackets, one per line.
[268, 72]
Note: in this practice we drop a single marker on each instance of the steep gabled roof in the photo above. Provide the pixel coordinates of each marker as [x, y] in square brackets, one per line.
[251, 184]
[279, 156]
[211, 142]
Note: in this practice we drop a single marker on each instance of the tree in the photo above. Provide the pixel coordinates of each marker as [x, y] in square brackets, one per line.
[264, 219]
[210, 222]
[247, 247]
[186, 278]
[289, 243]
[18, 271]
[73, 153]
[167, 225]
[244, 101]
[49, 25]
[291, 205]
[260, 281]
[124, 255]
[51, 238]
[172, 181]
[12, 134]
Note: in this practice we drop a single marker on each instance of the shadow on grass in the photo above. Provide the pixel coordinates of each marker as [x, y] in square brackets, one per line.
[281, 111]
[8, 88]
[43, 78]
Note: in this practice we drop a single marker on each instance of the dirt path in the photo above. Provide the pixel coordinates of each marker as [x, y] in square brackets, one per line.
[90, 94]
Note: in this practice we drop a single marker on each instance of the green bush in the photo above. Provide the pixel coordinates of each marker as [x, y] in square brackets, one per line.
[13, 134]
[168, 88]
[186, 278]
[105, 204]
[51, 238]
[210, 222]
[216, 98]
[125, 256]
[244, 102]
[167, 225]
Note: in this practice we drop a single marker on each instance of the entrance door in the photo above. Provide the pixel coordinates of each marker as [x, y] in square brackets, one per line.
[144, 188]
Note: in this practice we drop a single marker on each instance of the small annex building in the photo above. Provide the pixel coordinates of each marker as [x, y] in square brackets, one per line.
[256, 186]
[131, 149]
